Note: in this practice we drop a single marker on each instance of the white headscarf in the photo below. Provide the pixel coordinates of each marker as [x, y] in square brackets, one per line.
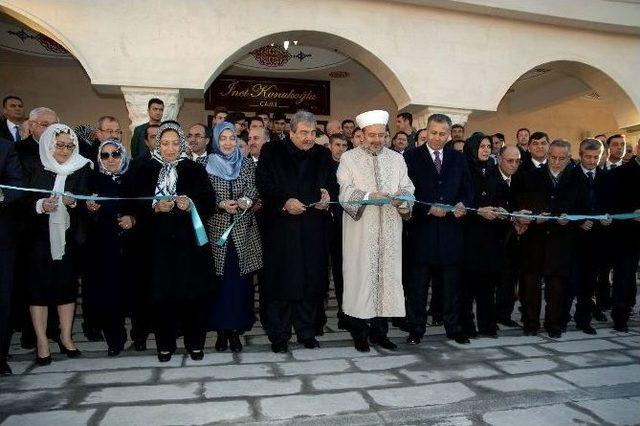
[59, 220]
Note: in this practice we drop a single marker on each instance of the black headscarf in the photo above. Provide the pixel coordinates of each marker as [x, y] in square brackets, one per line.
[471, 147]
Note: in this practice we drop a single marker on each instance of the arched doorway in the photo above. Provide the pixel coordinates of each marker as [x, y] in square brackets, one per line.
[567, 99]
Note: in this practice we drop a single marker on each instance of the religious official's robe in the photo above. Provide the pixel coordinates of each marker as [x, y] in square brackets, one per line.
[372, 235]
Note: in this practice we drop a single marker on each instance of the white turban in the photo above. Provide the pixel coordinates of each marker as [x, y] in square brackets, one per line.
[376, 116]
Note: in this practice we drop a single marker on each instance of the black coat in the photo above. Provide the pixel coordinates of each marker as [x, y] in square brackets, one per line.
[485, 240]
[10, 174]
[181, 271]
[295, 246]
[5, 133]
[626, 199]
[434, 240]
[547, 247]
[27, 149]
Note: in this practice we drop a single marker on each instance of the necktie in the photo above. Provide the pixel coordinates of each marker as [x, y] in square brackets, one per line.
[613, 166]
[590, 177]
[437, 162]
[591, 193]
[16, 133]
[508, 181]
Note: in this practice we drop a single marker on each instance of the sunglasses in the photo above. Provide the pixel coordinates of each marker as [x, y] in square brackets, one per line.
[114, 154]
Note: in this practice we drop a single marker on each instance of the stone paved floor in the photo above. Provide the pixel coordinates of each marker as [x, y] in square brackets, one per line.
[577, 379]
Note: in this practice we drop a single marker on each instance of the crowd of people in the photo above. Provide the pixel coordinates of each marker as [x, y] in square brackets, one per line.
[393, 219]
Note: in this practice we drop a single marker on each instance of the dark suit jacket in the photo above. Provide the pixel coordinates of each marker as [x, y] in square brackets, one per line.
[434, 240]
[626, 199]
[547, 247]
[5, 133]
[10, 174]
[27, 148]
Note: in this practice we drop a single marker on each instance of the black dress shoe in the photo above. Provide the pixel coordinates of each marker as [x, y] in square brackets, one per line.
[623, 328]
[112, 352]
[5, 370]
[385, 343]
[555, 334]
[234, 342]
[413, 339]
[140, 345]
[222, 342]
[310, 343]
[280, 347]
[164, 356]
[587, 329]
[509, 323]
[70, 353]
[44, 360]
[461, 338]
[361, 345]
[196, 355]
[600, 316]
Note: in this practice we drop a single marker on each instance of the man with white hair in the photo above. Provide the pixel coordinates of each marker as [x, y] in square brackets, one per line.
[39, 119]
[372, 234]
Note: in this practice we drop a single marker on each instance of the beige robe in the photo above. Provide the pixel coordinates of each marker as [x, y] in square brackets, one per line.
[372, 235]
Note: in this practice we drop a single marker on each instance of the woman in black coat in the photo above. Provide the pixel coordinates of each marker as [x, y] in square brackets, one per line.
[181, 279]
[484, 236]
[52, 278]
[109, 224]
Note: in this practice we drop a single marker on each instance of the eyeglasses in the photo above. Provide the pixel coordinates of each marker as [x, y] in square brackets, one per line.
[111, 132]
[114, 154]
[61, 146]
[42, 123]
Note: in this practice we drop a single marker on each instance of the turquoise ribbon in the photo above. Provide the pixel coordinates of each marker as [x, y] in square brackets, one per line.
[196, 222]
[225, 235]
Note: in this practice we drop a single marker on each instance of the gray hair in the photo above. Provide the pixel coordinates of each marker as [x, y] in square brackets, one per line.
[591, 145]
[562, 143]
[36, 112]
[303, 116]
[439, 118]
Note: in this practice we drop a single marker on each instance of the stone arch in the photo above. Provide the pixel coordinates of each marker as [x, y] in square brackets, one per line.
[345, 46]
[37, 23]
[605, 80]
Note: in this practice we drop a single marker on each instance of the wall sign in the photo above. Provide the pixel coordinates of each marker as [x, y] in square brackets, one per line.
[241, 93]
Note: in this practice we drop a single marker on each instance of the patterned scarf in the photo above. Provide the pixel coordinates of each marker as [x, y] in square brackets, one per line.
[124, 159]
[168, 176]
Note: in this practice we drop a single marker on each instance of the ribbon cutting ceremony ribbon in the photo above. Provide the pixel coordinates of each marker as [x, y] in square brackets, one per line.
[196, 222]
[225, 235]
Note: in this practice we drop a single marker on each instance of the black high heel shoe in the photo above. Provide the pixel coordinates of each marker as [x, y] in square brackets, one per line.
[222, 342]
[75, 353]
[234, 342]
[43, 361]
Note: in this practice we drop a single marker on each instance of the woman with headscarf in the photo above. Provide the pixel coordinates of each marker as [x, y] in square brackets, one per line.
[232, 176]
[52, 234]
[484, 238]
[107, 277]
[179, 267]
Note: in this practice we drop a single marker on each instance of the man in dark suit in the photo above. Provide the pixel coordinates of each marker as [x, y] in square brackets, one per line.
[536, 156]
[39, 119]
[593, 186]
[435, 240]
[522, 142]
[10, 174]
[547, 244]
[13, 116]
[626, 199]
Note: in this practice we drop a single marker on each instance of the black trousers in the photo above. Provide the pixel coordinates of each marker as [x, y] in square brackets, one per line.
[479, 287]
[623, 290]
[170, 318]
[139, 311]
[262, 300]
[603, 285]
[435, 303]
[506, 288]
[335, 251]
[282, 314]
[362, 329]
[531, 299]
[416, 297]
[7, 259]
[582, 287]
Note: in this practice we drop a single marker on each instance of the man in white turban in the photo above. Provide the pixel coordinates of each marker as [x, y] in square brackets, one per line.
[372, 233]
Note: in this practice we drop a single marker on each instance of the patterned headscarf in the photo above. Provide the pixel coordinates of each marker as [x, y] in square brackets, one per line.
[168, 176]
[124, 158]
[59, 220]
[224, 166]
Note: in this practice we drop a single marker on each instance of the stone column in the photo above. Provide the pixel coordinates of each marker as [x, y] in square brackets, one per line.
[137, 98]
[457, 115]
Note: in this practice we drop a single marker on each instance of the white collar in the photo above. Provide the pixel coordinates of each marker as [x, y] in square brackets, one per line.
[617, 164]
[538, 163]
[255, 159]
[11, 125]
[585, 171]
[195, 156]
[432, 152]
[505, 177]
